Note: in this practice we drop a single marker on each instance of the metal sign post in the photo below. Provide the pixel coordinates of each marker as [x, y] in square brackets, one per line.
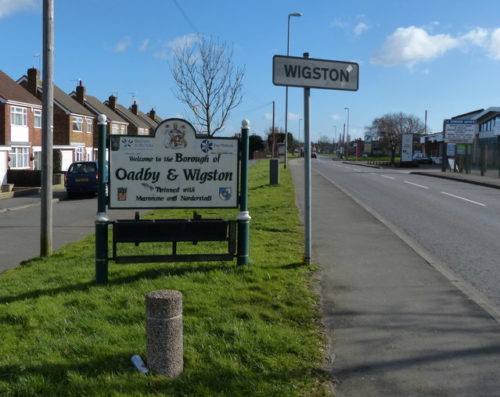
[307, 175]
[244, 216]
[101, 218]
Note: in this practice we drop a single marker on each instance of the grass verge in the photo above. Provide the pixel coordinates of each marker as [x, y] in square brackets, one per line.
[249, 330]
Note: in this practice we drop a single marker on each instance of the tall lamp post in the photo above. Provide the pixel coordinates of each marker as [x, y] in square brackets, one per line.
[294, 14]
[347, 130]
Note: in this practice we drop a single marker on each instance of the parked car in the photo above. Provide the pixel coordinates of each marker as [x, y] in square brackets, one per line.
[82, 178]
[422, 158]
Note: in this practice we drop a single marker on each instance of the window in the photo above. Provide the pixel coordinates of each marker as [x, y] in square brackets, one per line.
[89, 125]
[19, 116]
[79, 154]
[77, 124]
[37, 114]
[19, 157]
[122, 130]
[114, 129]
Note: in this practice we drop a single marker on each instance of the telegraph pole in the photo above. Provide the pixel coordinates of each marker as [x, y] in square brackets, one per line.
[47, 133]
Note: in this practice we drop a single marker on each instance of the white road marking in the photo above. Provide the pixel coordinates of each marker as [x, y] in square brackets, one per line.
[417, 185]
[388, 177]
[465, 199]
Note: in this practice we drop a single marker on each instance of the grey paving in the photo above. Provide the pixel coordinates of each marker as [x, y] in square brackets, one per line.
[396, 326]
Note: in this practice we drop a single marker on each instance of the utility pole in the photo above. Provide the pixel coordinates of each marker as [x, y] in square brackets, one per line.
[47, 133]
[273, 137]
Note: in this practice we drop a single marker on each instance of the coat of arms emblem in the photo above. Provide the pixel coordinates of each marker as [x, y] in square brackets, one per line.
[176, 137]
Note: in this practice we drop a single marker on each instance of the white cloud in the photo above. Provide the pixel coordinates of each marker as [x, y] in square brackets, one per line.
[494, 44]
[123, 45]
[144, 45]
[177, 44]
[10, 6]
[477, 36]
[336, 117]
[412, 44]
[293, 116]
[360, 28]
[268, 116]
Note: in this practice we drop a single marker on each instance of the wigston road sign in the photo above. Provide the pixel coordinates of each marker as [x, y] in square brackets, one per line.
[315, 73]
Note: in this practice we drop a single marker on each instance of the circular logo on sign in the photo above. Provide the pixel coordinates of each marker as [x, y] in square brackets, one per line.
[206, 146]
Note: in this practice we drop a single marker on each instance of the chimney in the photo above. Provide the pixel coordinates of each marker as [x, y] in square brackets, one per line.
[134, 108]
[112, 102]
[80, 92]
[33, 81]
[152, 114]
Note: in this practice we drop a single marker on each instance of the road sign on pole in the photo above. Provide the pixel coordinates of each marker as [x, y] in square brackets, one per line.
[312, 73]
[315, 73]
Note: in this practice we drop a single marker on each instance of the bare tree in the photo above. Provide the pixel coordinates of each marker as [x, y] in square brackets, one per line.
[391, 126]
[208, 82]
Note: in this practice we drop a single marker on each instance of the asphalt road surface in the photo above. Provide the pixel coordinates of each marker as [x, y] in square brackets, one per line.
[20, 225]
[456, 224]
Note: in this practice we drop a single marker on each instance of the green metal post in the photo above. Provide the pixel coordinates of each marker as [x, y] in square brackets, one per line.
[101, 219]
[244, 216]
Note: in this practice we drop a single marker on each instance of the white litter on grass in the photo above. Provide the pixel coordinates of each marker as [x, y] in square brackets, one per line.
[139, 364]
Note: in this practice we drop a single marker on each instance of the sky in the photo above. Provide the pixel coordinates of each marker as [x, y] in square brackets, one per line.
[439, 57]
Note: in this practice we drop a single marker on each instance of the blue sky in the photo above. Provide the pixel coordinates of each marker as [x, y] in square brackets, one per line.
[441, 56]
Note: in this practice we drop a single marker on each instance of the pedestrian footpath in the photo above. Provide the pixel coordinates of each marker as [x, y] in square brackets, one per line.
[396, 326]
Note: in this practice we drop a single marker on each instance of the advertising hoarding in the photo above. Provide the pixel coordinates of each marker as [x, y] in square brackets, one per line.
[459, 131]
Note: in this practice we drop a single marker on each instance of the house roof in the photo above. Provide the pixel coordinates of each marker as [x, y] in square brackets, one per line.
[129, 116]
[69, 103]
[479, 114]
[149, 121]
[97, 107]
[10, 90]
[61, 99]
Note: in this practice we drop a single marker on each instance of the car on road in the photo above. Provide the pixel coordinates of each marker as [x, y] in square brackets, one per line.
[82, 178]
[422, 158]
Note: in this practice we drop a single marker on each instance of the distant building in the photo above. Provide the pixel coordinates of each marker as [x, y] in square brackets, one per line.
[73, 124]
[483, 153]
[137, 126]
[115, 123]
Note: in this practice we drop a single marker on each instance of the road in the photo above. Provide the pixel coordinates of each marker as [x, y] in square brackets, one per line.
[20, 225]
[456, 225]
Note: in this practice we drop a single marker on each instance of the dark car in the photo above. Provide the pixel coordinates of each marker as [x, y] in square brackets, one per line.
[82, 178]
[422, 158]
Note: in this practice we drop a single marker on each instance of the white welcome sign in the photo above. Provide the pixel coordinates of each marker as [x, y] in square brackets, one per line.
[173, 169]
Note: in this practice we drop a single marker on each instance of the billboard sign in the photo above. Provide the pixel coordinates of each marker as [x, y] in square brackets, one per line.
[315, 73]
[174, 168]
[406, 147]
[459, 131]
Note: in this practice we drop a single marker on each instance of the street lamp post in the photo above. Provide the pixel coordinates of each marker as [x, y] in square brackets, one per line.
[333, 140]
[347, 134]
[294, 14]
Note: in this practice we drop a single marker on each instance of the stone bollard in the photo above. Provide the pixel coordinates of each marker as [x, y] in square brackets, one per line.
[164, 332]
[274, 171]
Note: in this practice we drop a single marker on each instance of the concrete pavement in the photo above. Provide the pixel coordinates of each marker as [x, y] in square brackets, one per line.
[396, 325]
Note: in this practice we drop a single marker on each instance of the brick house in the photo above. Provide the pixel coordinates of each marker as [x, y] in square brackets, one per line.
[150, 121]
[152, 115]
[137, 126]
[20, 127]
[115, 123]
[73, 123]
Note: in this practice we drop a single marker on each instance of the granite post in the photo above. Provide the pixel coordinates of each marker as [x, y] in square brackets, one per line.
[164, 332]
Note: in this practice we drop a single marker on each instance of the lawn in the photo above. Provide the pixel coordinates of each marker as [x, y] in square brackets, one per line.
[248, 330]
